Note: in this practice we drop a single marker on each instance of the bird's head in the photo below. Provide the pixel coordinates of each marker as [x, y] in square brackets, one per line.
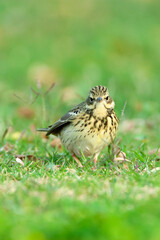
[99, 101]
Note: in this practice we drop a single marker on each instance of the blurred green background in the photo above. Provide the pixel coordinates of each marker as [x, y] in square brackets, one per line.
[79, 44]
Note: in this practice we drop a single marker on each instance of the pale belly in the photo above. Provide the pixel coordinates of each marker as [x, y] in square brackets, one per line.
[81, 142]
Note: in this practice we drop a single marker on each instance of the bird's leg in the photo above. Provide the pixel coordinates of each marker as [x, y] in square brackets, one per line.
[77, 161]
[109, 149]
[95, 161]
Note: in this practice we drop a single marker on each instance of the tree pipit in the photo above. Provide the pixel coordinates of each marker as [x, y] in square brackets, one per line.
[88, 127]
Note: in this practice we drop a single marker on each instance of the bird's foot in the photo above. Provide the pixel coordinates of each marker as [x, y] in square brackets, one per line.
[95, 162]
[77, 161]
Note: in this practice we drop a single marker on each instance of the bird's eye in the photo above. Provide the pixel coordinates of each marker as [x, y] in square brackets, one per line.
[91, 99]
[107, 98]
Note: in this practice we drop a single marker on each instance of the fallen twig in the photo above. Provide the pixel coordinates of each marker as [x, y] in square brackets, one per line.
[123, 109]
[50, 88]
[4, 134]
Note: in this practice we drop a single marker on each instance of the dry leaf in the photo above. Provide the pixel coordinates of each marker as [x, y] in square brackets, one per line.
[131, 125]
[26, 112]
[154, 151]
[18, 160]
[29, 157]
[125, 166]
[68, 94]
[42, 75]
[7, 147]
[56, 143]
[127, 125]
[150, 124]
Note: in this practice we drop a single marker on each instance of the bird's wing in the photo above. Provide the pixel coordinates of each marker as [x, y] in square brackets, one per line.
[66, 119]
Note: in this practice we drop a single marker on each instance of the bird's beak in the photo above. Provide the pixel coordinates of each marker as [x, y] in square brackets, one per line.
[99, 99]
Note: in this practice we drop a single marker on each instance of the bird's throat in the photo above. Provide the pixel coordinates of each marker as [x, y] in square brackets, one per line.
[100, 110]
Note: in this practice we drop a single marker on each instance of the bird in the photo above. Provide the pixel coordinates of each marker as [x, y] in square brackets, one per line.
[89, 127]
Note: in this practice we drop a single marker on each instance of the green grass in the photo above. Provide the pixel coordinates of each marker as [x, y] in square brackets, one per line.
[42, 201]
[78, 45]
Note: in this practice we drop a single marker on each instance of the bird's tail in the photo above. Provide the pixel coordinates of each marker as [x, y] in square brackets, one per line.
[42, 129]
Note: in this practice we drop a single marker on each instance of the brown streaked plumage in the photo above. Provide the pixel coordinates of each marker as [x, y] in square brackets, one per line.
[89, 126]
